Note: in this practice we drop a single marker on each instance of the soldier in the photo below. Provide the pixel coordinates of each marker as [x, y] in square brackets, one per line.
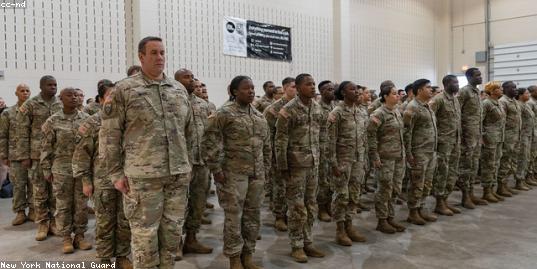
[59, 139]
[493, 137]
[408, 97]
[513, 123]
[297, 157]
[448, 120]
[387, 154]
[279, 92]
[267, 99]
[420, 146]
[22, 187]
[96, 106]
[133, 70]
[356, 186]
[112, 232]
[275, 184]
[32, 115]
[324, 195]
[205, 96]
[471, 122]
[146, 127]
[345, 145]
[376, 102]
[240, 134]
[532, 177]
[369, 171]
[80, 95]
[526, 134]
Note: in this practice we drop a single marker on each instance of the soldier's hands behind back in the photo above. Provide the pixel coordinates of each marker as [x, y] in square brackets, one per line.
[87, 190]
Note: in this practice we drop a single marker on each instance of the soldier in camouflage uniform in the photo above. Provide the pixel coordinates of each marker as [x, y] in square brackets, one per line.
[112, 232]
[146, 127]
[22, 187]
[324, 196]
[276, 181]
[420, 146]
[526, 134]
[59, 140]
[448, 120]
[513, 123]
[387, 153]
[267, 99]
[346, 129]
[471, 122]
[531, 179]
[493, 137]
[95, 107]
[32, 114]
[297, 156]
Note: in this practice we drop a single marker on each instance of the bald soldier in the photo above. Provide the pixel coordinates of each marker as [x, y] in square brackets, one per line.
[22, 187]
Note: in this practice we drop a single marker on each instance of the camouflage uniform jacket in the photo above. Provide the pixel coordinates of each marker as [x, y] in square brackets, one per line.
[346, 128]
[92, 108]
[60, 135]
[420, 128]
[533, 105]
[513, 119]
[448, 117]
[262, 103]
[470, 115]
[493, 122]
[385, 134]
[297, 135]
[200, 112]
[271, 115]
[374, 105]
[32, 114]
[323, 132]
[212, 107]
[8, 134]
[527, 119]
[237, 139]
[147, 129]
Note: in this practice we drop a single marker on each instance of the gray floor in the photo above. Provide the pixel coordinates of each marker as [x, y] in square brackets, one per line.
[498, 236]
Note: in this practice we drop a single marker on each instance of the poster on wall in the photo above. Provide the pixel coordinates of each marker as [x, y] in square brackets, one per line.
[245, 38]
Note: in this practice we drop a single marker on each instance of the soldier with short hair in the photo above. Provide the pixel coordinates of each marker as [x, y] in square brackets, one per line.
[531, 179]
[526, 134]
[267, 99]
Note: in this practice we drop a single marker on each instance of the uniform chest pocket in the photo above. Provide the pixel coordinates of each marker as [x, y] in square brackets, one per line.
[65, 135]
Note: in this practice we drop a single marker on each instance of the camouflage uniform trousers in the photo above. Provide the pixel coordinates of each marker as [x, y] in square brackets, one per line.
[523, 158]
[240, 196]
[156, 208]
[324, 195]
[508, 161]
[279, 207]
[22, 187]
[356, 183]
[112, 232]
[469, 165]
[390, 178]
[446, 174]
[345, 187]
[71, 205]
[533, 155]
[301, 195]
[490, 162]
[44, 200]
[197, 197]
[421, 178]
[269, 187]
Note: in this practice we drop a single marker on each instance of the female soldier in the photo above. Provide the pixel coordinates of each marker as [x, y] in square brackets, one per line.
[239, 133]
[387, 154]
[526, 133]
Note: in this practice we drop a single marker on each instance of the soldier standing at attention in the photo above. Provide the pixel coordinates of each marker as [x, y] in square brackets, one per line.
[59, 140]
[240, 134]
[526, 134]
[112, 232]
[324, 195]
[297, 157]
[146, 127]
[267, 99]
[420, 146]
[275, 183]
[32, 114]
[387, 154]
[345, 145]
[531, 179]
[448, 120]
[22, 187]
[96, 106]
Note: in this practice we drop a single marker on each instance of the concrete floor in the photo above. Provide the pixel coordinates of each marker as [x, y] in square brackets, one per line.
[497, 236]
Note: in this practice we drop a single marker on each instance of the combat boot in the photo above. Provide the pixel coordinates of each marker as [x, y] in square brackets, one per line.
[68, 245]
[209, 205]
[179, 253]
[123, 262]
[488, 195]
[414, 217]
[441, 207]
[452, 208]
[248, 262]
[477, 200]
[530, 181]
[19, 219]
[511, 190]
[52, 228]
[80, 243]
[42, 230]
[467, 201]
[352, 233]
[280, 224]
[323, 214]
[192, 245]
[498, 197]
[398, 227]
[312, 251]
[31, 215]
[299, 255]
[341, 235]
[235, 262]
[427, 217]
[503, 191]
[384, 227]
[520, 186]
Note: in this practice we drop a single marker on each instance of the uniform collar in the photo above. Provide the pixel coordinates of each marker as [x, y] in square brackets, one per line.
[165, 80]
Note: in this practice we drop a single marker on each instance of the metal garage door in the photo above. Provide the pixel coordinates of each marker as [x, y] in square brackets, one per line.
[516, 62]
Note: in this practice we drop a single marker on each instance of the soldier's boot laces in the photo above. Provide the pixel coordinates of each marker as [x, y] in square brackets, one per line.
[31, 215]
[248, 261]
[192, 245]
[81, 243]
[280, 224]
[123, 262]
[353, 234]
[68, 245]
[19, 219]
[52, 228]
[323, 214]
[312, 251]
[341, 235]
[488, 195]
[426, 216]
[299, 255]
[520, 186]
[398, 227]
[476, 200]
[502, 191]
[42, 231]
[452, 208]
[235, 262]
[384, 227]
[414, 217]
[467, 200]
[441, 207]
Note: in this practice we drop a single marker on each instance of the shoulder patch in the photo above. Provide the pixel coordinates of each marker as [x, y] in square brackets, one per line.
[283, 113]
